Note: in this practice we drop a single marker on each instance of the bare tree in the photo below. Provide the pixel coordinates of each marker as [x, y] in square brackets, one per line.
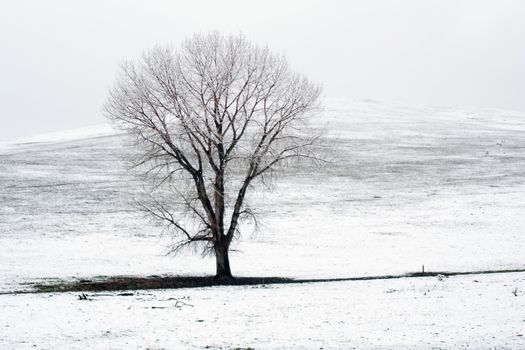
[210, 118]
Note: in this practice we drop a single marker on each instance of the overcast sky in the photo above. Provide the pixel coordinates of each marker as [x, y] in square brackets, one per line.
[58, 58]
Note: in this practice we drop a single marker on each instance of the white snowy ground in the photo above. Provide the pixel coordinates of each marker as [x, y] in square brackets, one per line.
[469, 312]
[443, 187]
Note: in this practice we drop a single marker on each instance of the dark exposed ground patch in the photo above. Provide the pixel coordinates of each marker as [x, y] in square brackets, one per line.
[117, 283]
[120, 283]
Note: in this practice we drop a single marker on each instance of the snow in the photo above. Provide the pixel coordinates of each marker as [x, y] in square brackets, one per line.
[405, 186]
[58, 136]
[463, 312]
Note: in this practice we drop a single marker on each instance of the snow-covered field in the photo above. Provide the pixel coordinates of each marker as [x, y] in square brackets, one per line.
[466, 312]
[443, 187]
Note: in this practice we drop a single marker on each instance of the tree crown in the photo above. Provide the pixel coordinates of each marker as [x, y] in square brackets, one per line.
[210, 117]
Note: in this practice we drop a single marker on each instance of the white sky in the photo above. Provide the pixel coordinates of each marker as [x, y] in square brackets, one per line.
[58, 58]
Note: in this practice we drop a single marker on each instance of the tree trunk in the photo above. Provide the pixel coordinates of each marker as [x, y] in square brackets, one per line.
[222, 261]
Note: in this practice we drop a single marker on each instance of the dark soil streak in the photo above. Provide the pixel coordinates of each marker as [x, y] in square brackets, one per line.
[120, 283]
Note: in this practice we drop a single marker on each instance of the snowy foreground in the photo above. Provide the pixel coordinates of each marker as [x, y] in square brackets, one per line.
[405, 187]
[470, 312]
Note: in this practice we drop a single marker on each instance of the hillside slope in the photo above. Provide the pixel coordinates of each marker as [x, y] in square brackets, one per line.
[443, 187]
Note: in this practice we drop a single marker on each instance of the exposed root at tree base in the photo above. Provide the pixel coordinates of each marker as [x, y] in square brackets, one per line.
[121, 283]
